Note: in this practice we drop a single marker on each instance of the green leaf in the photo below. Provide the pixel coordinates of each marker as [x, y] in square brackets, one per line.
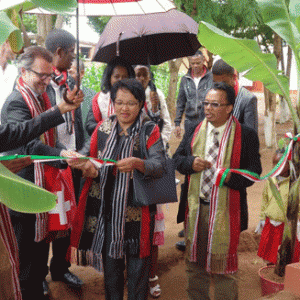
[277, 196]
[245, 55]
[276, 15]
[295, 12]
[8, 29]
[57, 6]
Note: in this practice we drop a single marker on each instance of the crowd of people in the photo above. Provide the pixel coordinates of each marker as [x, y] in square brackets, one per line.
[45, 113]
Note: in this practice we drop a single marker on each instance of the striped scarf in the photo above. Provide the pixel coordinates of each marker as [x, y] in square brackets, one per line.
[120, 194]
[35, 107]
[7, 235]
[61, 78]
[224, 220]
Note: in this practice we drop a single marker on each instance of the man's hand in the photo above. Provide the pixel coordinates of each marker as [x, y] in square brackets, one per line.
[154, 101]
[200, 164]
[88, 169]
[177, 131]
[72, 101]
[16, 165]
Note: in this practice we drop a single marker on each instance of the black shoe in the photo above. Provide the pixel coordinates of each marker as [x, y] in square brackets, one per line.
[181, 233]
[70, 279]
[46, 288]
[180, 245]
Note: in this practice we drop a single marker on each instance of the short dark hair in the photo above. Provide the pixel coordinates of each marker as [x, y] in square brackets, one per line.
[59, 38]
[26, 59]
[131, 84]
[117, 61]
[198, 53]
[220, 67]
[229, 90]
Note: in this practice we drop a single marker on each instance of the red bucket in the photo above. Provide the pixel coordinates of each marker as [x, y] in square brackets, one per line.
[268, 286]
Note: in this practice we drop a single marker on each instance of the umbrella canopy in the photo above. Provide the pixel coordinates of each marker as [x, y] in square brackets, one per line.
[148, 39]
[117, 7]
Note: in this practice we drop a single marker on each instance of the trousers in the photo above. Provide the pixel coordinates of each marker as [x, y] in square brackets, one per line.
[199, 280]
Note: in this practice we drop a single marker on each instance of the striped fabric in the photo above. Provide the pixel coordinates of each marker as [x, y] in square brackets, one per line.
[9, 240]
[35, 107]
[120, 195]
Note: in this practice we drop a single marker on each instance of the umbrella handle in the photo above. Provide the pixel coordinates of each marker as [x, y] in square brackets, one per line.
[118, 43]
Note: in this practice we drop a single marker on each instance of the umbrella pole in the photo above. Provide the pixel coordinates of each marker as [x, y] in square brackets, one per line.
[77, 48]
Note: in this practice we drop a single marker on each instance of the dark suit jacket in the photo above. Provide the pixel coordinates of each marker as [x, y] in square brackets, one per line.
[15, 135]
[245, 108]
[250, 160]
[15, 110]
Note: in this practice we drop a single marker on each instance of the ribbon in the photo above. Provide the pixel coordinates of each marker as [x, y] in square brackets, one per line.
[41, 158]
[221, 173]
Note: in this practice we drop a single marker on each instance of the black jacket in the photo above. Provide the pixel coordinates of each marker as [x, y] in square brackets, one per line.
[190, 97]
[15, 135]
[250, 160]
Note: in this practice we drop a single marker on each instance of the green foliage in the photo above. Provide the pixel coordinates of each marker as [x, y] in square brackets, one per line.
[161, 76]
[230, 15]
[93, 75]
[29, 22]
[244, 54]
[98, 23]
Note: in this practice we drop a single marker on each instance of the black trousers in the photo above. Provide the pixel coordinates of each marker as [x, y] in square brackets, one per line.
[138, 270]
[34, 256]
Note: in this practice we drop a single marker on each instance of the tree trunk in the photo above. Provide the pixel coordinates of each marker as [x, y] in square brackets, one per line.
[174, 66]
[269, 124]
[270, 101]
[59, 22]
[44, 25]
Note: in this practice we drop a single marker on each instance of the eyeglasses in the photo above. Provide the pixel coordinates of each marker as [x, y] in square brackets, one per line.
[130, 104]
[214, 104]
[42, 76]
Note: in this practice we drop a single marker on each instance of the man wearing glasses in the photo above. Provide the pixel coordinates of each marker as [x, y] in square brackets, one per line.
[30, 99]
[214, 216]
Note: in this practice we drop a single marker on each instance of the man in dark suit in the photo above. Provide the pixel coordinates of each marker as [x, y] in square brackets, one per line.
[30, 99]
[245, 107]
[14, 136]
[215, 214]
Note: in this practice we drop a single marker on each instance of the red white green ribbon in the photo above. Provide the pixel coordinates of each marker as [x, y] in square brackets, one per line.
[221, 173]
[41, 158]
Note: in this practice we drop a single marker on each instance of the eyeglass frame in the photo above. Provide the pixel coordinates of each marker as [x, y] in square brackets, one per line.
[214, 104]
[41, 76]
[129, 104]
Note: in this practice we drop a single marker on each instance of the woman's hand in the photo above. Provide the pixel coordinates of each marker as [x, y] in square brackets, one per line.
[129, 164]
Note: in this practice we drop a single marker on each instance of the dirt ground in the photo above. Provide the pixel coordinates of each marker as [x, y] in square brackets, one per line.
[171, 261]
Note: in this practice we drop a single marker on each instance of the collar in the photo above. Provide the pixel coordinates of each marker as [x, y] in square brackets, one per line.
[220, 129]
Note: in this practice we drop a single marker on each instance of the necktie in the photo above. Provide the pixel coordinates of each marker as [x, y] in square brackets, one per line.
[208, 174]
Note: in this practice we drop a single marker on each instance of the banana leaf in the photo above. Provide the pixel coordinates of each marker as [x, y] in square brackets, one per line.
[7, 29]
[55, 6]
[244, 55]
[276, 15]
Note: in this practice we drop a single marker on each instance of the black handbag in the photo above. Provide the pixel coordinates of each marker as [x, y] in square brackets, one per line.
[148, 190]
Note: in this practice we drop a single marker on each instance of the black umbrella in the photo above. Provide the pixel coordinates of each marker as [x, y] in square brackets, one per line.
[148, 39]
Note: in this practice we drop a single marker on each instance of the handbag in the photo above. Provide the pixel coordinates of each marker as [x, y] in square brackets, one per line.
[149, 190]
